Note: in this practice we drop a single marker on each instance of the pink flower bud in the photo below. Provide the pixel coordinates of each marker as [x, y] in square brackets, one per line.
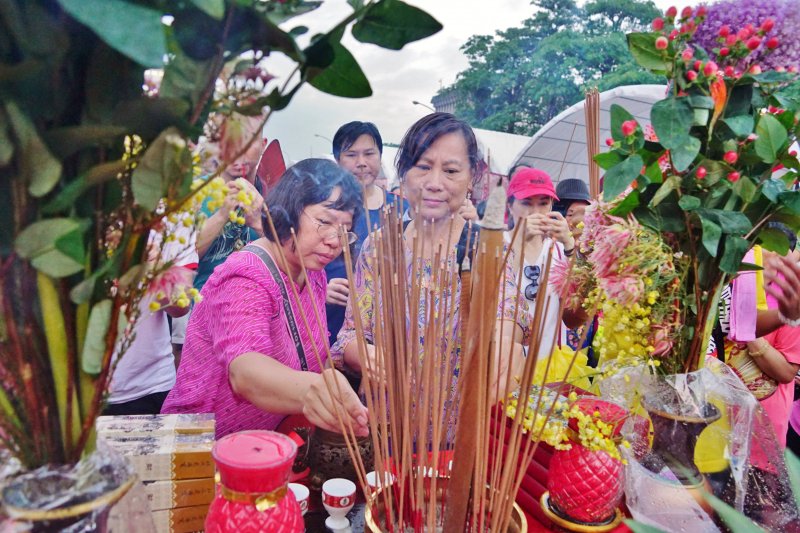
[658, 24]
[731, 40]
[701, 11]
[753, 43]
[691, 75]
[755, 69]
[686, 12]
[673, 34]
[662, 43]
[700, 172]
[629, 127]
[710, 69]
[793, 68]
[731, 157]
[733, 177]
[609, 141]
[697, 65]
[729, 71]
[687, 54]
[672, 12]
[767, 25]
[725, 31]
[772, 43]
[780, 69]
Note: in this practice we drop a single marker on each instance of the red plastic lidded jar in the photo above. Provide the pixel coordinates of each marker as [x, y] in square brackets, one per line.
[252, 494]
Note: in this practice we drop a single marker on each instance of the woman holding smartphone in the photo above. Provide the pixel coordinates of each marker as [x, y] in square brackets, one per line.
[530, 199]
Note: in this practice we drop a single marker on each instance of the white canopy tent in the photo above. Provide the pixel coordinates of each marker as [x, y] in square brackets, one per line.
[559, 147]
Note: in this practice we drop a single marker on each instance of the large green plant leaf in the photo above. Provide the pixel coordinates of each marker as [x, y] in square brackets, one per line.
[212, 8]
[53, 246]
[684, 154]
[156, 170]
[133, 30]
[606, 160]
[774, 240]
[95, 345]
[670, 184]
[37, 166]
[185, 78]
[618, 115]
[628, 204]
[790, 200]
[711, 236]
[672, 120]
[731, 222]
[771, 138]
[620, 176]
[734, 251]
[343, 77]
[66, 141]
[393, 24]
[772, 188]
[740, 125]
[643, 49]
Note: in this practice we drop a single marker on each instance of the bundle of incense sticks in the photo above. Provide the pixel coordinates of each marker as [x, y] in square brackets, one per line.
[430, 414]
[591, 109]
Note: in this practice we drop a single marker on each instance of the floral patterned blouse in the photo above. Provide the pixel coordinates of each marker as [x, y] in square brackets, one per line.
[440, 297]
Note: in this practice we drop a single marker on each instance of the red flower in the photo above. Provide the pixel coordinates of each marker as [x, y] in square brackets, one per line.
[673, 34]
[672, 12]
[753, 43]
[609, 141]
[710, 69]
[658, 24]
[725, 31]
[767, 25]
[731, 39]
[731, 157]
[697, 65]
[733, 177]
[629, 127]
[686, 12]
[687, 54]
[729, 72]
[793, 68]
[772, 43]
[701, 172]
[724, 51]
[755, 69]
[662, 43]
[691, 75]
[701, 11]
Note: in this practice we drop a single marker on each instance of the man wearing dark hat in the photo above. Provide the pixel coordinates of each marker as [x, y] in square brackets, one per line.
[573, 197]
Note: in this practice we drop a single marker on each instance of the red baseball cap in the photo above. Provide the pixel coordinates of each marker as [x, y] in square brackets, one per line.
[528, 182]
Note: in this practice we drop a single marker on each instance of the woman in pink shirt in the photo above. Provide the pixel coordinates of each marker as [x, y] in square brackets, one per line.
[250, 356]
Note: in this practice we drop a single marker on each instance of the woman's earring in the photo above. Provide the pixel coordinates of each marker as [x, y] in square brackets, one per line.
[469, 195]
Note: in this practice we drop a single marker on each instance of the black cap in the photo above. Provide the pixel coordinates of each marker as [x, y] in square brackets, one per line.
[571, 190]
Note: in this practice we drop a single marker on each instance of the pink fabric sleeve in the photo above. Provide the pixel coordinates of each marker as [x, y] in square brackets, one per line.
[743, 305]
[244, 320]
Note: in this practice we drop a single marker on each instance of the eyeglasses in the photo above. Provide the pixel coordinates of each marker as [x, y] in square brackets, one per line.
[532, 272]
[328, 231]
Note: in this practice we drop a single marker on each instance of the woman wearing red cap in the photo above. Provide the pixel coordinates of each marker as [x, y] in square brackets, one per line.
[530, 199]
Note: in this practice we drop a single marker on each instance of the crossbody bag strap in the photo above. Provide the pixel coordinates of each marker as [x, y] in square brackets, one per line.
[287, 307]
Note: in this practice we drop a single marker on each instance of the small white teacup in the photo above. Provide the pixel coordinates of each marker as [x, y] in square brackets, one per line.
[301, 495]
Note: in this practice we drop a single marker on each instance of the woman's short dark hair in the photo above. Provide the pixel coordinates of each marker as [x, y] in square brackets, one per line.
[309, 182]
[425, 132]
[350, 132]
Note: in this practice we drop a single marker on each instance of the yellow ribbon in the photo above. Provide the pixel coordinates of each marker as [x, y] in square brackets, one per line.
[261, 500]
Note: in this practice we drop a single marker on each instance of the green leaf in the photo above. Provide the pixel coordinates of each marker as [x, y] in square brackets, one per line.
[772, 188]
[774, 240]
[731, 222]
[790, 200]
[606, 160]
[133, 30]
[66, 141]
[628, 204]
[654, 173]
[185, 78]
[392, 24]
[618, 177]
[618, 115]
[94, 346]
[773, 76]
[684, 155]
[638, 527]
[37, 243]
[771, 138]
[793, 467]
[734, 251]
[672, 120]
[711, 236]
[672, 183]
[71, 245]
[745, 189]
[733, 518]
[37, 166]
[212, 8]
[151, 177]
[343, 77]
[740, 125]
[66, 198]
[689, 203]
[643, 49]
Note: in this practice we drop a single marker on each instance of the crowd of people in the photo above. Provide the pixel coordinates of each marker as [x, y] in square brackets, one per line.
[252, 347]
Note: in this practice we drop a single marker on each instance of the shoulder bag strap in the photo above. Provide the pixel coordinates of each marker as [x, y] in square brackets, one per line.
[287, 306]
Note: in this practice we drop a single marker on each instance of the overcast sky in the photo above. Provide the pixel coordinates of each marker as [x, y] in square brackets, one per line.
[397, 77]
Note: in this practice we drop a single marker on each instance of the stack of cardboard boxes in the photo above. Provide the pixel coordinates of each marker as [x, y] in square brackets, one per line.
[171, 454]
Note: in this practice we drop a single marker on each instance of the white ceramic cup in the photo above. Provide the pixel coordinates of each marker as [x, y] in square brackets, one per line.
[338, 497]
[301, 495]
[373, 479]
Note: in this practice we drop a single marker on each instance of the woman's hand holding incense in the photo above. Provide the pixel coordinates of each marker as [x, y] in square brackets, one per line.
[330, 393]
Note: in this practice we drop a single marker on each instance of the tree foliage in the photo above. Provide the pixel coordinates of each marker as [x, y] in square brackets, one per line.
[522, 77]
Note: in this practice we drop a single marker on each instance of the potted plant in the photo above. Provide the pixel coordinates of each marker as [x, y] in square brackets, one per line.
[94, 173]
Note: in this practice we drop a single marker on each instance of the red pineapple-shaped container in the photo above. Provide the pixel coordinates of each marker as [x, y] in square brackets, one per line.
[252, 493]
[585, 486]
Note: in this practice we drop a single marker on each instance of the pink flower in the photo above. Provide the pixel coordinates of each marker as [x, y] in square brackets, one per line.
[175, 279]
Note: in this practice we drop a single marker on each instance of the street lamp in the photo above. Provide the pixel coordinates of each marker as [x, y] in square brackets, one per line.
[423, 105]
[323, 137]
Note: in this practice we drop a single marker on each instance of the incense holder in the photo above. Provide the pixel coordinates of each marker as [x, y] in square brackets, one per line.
[328, 457]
